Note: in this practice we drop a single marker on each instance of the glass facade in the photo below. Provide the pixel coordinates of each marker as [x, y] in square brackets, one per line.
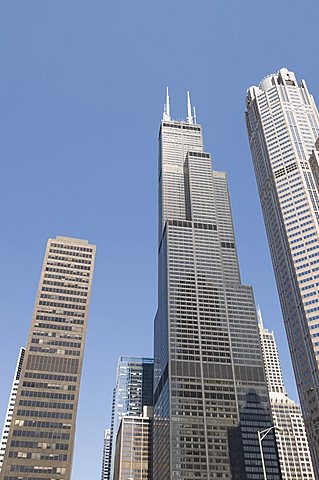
[210, 393]
[133, 391]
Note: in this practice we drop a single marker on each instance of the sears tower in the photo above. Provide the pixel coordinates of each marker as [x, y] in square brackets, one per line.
[210, 393]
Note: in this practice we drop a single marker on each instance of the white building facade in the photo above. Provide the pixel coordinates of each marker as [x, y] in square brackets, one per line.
[283, 126]
[294, 454]
[106, 461]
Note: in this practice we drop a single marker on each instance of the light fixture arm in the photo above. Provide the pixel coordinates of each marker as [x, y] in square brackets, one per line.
[261, 435]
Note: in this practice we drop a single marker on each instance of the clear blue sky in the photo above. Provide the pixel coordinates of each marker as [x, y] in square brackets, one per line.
[81, 91]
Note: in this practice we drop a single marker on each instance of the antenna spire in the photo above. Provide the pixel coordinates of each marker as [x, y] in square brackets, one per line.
[167, 110]
[194, 115]
[260, 318]
[189, 109]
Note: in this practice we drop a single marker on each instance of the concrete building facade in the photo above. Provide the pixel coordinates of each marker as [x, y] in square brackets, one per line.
[283, 127]
[133, 448]
[293, 448]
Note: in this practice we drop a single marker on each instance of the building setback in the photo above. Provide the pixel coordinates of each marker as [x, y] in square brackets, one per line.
[283, 126]
[210, 392]
[12, 399]
[133, 449]
[41, 437]
[293, 448]
[132, 392]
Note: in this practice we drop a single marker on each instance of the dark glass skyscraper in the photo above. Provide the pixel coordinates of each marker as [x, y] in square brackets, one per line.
[210, 393]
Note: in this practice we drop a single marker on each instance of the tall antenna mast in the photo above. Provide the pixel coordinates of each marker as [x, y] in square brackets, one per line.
[189, 109]
[194, 115]
[167, 110]
[259, 316]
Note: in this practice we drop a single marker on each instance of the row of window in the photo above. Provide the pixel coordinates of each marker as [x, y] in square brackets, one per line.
[39, 434]
[44, 414]
[74, 261]
[53, 405]
[57, 351]
[70, 280]
[40, 424]
[69, 336]
[57, 396]
[71, 247]
[70, 253]
[51, 318]
[62, 305]
[35, 469]
[68, 298]
[10, 477]
[59, 327]
[82, 292]
[42, 445]
[66, 271]
[39, 456]
[181, 126]
[67, 264]
[49, 386]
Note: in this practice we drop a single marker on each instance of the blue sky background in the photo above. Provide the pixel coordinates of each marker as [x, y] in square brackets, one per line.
[81, 92]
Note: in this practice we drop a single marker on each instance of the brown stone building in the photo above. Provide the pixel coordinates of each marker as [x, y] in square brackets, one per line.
[41, 437]
[133, 454]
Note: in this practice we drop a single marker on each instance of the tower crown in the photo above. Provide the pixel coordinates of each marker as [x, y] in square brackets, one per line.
[191, 112]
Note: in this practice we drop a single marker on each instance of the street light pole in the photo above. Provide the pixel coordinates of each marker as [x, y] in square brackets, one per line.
[261, 435]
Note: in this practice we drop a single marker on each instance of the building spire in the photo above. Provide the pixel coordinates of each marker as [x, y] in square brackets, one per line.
[189, 109]
[167, 112]
[194, 115]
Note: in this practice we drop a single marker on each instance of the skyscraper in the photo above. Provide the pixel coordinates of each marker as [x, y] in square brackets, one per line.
[283, 126]
[293, 448]
[210, 392]
[133, 391]
[106, 461]
[133, 447]
[12, 399]
[41, 437]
